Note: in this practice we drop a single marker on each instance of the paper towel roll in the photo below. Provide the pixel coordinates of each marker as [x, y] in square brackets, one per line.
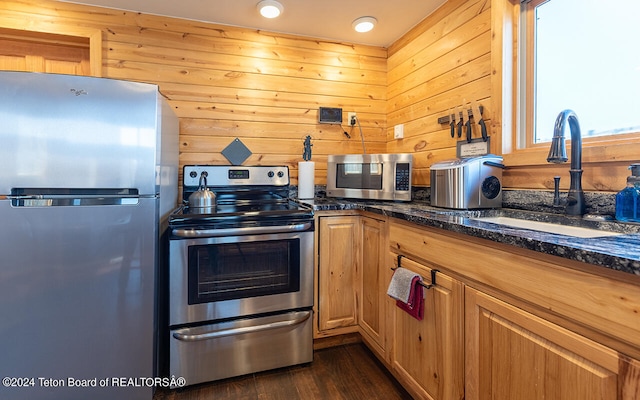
[306, 179]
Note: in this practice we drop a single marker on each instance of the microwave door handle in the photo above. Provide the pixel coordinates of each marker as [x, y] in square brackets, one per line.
[298, 319]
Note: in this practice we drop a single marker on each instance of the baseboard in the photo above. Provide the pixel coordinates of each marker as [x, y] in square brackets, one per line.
[339, 340]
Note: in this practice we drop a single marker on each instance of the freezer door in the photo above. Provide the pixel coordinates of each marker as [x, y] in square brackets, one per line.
[64, 131]
[77, 299]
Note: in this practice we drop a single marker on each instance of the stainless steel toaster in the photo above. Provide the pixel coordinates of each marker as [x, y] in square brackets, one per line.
[467, 183]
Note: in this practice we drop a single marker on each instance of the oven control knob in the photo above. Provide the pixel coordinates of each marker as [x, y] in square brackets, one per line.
[193, 174]
[280, 174]
[270, 174]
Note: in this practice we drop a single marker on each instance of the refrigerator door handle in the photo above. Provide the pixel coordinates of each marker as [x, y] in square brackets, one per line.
[53, 197]
[295, 319]
[59, 200]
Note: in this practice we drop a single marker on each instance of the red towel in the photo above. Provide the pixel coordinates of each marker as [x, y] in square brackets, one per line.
[415, 306]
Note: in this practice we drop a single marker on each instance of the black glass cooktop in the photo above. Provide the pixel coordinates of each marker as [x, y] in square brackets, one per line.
[246, 211]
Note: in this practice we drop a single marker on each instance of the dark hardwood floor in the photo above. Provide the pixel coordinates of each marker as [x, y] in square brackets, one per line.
[344, 372]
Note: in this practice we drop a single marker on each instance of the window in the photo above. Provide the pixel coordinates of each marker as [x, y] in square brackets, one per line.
[579, 55]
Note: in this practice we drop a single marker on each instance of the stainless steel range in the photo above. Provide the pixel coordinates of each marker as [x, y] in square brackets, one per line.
[240, 275]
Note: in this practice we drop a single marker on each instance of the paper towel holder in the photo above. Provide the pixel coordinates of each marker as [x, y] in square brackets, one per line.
[306, 172]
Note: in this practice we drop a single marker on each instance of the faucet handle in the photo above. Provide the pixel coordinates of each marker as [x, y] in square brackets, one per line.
[556, 192]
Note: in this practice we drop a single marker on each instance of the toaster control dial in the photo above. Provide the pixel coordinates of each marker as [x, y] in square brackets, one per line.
[491, 187]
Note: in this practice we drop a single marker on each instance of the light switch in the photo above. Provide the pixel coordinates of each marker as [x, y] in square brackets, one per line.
[398, 131]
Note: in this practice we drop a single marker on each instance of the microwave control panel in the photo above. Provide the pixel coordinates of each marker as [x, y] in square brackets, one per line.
[403, 176]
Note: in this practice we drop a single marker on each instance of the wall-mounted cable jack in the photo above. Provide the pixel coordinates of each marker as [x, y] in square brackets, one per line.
[352, 120]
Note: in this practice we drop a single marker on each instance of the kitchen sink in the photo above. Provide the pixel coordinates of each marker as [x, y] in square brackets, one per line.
[567, 230]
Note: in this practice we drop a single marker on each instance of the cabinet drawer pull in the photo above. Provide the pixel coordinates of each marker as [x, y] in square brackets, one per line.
[426, 286]
[290, 320]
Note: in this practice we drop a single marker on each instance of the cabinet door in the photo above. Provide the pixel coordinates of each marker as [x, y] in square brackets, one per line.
[372, 281]
[40, 52]
[427, 356]
[337, 269]
[512, 354]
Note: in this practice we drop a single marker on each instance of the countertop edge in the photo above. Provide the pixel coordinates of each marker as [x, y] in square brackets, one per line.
[620, 253]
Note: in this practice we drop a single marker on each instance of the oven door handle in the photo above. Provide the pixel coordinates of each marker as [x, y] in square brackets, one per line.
[254, 230]
[297, 319]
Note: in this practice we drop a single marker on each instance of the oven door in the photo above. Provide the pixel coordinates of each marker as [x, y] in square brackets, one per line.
[221, 274]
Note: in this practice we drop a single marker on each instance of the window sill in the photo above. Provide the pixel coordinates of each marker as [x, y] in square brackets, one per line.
[596, 152]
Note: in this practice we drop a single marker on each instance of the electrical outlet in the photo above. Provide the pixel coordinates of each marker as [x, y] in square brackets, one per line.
[398, 131]
[351, 118]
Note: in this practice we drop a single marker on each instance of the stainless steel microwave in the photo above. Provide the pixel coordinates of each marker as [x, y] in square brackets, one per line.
[370, 176]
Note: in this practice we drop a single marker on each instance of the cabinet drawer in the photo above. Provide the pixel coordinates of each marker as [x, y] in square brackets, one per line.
[239, 347]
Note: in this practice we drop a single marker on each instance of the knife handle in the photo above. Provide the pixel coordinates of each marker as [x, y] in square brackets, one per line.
[469, 131]
[453, 127]
[483, 129]
[460, 128]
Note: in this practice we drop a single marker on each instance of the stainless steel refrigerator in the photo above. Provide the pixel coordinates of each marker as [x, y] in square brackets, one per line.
[88, 177]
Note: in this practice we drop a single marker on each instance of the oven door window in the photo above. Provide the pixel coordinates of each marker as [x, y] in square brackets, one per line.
[229, 271]
[359, 176]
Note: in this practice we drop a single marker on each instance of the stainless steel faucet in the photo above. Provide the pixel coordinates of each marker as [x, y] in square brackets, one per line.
[575, 204]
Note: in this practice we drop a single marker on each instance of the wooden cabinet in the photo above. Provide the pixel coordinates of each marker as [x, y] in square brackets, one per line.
[352, 278]
[79, 53]
[536, 326]
[373, 279]
[427, 356]
[598, 303]
[500, 323]
[337, 274]
[512, 354]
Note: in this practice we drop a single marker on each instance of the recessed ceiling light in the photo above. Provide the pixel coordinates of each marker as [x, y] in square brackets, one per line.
[270, 8]
[364, 24]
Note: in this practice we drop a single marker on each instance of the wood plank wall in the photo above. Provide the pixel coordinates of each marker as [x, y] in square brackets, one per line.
[440, 63]
[265, 88]
[226, 83]
[447, 59]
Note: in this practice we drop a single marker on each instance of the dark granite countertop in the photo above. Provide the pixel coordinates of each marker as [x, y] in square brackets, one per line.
[621, 252]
